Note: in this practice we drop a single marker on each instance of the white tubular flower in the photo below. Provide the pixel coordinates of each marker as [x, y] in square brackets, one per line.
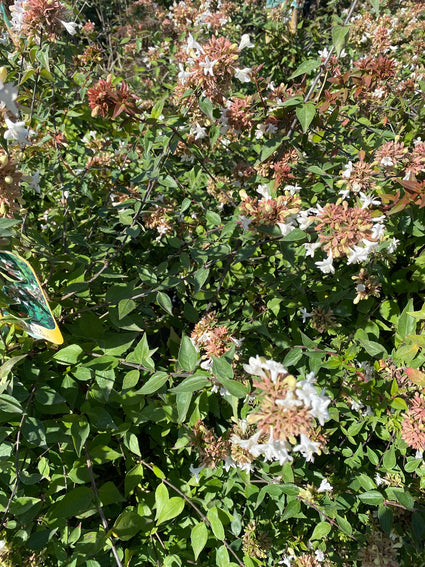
[183, 75]
[244, 75]
[263, 190]
[305, 219]
[392, 246]
[34, 182]
[347, 170]
[276, 451]
[71, 27]
[17, 12]
[367, 200]
[286, 228]
[260, 131]
[8, 95]
[193, 44]
[319, 408]
[310, 248]
[323, 53]
[326, 266]
[325, 486]
[255, 366]
[245, 42]
[357, 255]
[245, 221]
[208, 65]
[194, 471]
[275, 368]
[386, 161]
[18, 132]
[307, 448]
[304, 314]
[199, 131]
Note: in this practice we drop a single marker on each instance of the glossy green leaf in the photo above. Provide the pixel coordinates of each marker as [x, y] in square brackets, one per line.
[198, 538]
[305, 115]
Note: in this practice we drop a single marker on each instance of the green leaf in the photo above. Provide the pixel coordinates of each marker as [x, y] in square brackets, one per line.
[412, 465]
[109, 494]
[269, 147]
[101, 454]
[161, 499]
[5, 225]
[133, 479]
[198, 538]
[339, 34]
[157, 109]
[221, 368]
[385, 516]
[321, 530]
[131, 441]
[405, 498]
[389, 460]
[294, 235]
[206, 106]
[399, 404]
[293, 356]
[372, 456]
[344, 525]
[173, 508]
[68, 355]
[222, 557]
[125, 306]
[223, 371]
[212, 218]
[155, 383]
[8, 404]
[292, 509]
[183, 400]
[188, 356]
[5, 369]
[216, 524]
[406, 323]
[306, 67]
[164, 302]
[43, 57]
[305, 114]
[372, 498]
[128, 524]
[373, 348]
[34, 432]
[199, 278]
[191, 384]
[75, 502]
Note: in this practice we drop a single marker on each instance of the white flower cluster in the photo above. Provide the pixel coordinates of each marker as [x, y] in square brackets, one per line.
[305, 395]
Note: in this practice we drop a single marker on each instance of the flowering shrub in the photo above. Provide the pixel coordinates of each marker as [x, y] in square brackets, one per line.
[224, 202]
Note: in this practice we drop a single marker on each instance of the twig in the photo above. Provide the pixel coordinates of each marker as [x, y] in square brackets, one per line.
[99, 506]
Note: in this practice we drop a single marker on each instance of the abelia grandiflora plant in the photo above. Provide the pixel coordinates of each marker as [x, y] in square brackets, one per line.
[237, 164]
